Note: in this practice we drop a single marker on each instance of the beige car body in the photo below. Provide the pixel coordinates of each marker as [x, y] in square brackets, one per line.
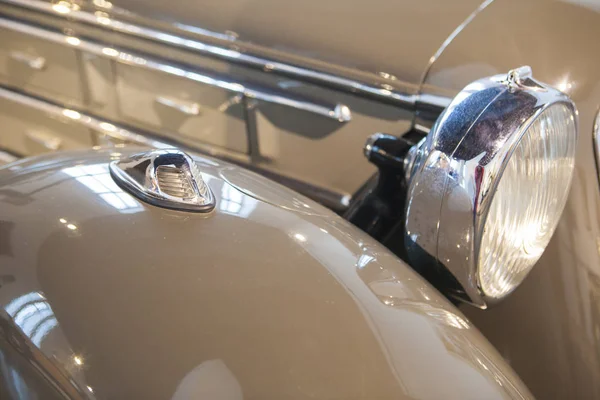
[395, 65]
[268, 296]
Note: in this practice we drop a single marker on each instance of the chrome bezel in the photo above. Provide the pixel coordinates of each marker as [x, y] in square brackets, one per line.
[138, 175]
[596, 140]
[458, 168]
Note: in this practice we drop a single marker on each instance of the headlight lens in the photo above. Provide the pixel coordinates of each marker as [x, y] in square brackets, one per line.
[488, 185]
[528, 201]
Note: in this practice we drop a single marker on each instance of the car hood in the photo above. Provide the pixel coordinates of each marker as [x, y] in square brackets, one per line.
[267, 296]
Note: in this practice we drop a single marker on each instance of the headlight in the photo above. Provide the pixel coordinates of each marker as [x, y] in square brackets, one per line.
[528, 201]
[489, 184]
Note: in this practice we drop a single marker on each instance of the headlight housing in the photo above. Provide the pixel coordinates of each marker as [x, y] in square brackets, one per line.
[488, 185]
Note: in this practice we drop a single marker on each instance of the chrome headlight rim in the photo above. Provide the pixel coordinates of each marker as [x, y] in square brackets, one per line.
[486, 122]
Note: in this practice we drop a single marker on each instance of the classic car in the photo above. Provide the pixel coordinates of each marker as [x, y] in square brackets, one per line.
[459, 137]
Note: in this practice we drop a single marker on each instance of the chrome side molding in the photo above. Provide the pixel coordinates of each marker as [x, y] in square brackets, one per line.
[335, 200]
[34, 62]
[596, 145]
[72, 11]
[338, 112]
[97, 125]
[7, 157]
[184, 107]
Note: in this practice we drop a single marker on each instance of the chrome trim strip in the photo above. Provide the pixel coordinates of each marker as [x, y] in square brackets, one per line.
[48, 142]
[65, 9]
[334, 200]
[338, 112]
[449, 39]
[184, 107]
[79, 118]
[6, 157]
[596, 139]
[430, 106]
[30, 61]
[434, 101]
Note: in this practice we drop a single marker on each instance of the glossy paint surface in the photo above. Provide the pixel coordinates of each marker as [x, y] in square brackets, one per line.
[549, 328]
[112, 298]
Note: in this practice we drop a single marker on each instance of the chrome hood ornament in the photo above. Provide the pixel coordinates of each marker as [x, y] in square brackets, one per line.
[165, 178]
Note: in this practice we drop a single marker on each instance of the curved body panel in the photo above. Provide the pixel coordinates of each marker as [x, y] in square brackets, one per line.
[267, 296]
[548, 328]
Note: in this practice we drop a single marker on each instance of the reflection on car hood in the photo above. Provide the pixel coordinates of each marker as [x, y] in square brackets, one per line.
[111, 297]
